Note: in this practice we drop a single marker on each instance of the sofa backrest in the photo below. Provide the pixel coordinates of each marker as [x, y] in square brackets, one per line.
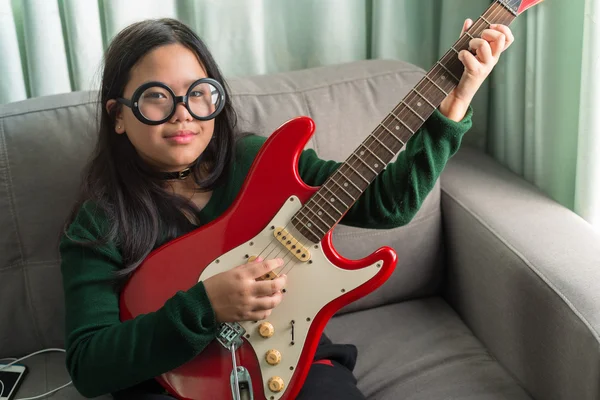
[44, 143]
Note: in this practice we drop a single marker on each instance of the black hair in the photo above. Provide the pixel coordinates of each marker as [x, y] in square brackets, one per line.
[139, 210]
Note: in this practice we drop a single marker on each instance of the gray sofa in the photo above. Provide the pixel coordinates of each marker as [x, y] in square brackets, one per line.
[497, 290]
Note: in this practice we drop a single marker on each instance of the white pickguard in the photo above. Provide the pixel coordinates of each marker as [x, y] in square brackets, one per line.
[310, 286]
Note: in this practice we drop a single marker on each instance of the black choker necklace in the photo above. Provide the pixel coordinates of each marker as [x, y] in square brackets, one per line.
[167, 176]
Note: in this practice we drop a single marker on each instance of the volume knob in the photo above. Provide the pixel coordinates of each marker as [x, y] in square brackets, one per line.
[266, 330]
[273, 357]
[275, 384]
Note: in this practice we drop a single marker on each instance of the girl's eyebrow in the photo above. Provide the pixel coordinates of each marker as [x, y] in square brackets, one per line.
[187, 84]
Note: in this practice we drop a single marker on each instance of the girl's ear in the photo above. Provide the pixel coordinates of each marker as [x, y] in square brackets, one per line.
[119, 121]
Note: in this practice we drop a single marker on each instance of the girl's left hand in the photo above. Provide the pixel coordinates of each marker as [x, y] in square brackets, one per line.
[493, 42]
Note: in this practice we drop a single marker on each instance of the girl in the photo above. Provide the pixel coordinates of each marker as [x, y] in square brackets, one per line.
[166, 162]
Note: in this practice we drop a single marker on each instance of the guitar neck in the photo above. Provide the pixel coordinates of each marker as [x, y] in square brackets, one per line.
[337, 195]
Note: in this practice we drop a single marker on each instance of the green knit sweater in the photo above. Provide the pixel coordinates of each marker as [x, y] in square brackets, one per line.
[105, 355]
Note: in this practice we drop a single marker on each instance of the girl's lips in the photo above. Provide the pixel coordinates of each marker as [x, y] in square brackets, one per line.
[181, 137]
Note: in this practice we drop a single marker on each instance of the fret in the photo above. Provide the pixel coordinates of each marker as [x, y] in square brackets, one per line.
[424, 98]
[332, 200]
[349, 180]
[503, 3]
[304, 230]
[374, 155]
[341, 191]
[413, 111]
[306, 227]
[456, 67]
[402, 142]
[310, 224]
[403, 123]
[309, 234]
[323, 210]
[358, 173]
[332, 206]
[392, 133]
[345, 191]
[447, 70]
[365, 163]
[317, 215]
[383, 144]
[466, 39]
[469, 35]
[438, 86]
[476, 27]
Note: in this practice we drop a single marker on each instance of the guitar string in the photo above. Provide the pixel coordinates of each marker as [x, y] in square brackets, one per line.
[495, 12]
[374, 133]
[376, 139]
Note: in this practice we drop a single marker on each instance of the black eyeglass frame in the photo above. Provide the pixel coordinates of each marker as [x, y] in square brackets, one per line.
[134, 102]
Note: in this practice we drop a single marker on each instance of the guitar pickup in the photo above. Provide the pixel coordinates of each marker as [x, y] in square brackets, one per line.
[292, 244]
[268, 276]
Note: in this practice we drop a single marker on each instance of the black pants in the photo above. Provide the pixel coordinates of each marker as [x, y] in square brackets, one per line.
[329, 378]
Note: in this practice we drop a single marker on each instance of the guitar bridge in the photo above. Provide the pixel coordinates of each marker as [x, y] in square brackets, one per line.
[230, 333]
[244, 384]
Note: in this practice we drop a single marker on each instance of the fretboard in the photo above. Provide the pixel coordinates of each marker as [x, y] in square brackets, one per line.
[337, 195]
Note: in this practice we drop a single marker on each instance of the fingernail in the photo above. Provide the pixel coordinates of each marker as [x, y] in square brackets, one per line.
[259, 259]
[280, 260]
[493, 25]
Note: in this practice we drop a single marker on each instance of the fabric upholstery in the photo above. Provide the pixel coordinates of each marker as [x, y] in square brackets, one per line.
[524, 273]
[420, 350]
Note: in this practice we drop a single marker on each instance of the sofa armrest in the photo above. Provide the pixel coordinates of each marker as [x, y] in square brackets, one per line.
[524, 274]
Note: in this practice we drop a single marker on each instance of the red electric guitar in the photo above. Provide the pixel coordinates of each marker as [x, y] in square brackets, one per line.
[269, 360]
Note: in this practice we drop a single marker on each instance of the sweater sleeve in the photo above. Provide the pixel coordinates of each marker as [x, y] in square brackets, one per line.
[397, 193]
[105, 355]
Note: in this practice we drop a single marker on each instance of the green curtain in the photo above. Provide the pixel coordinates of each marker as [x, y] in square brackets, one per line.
[535, 114]
[56, 46]
[587, 173]
[536, 99]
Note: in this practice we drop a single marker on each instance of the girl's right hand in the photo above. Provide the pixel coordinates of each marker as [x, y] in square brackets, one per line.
[236, 295]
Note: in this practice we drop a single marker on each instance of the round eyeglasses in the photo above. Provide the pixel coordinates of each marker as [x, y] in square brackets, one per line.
[154, 103]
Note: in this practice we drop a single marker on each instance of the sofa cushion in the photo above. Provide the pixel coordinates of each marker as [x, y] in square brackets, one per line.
[416, 350]
[421, 350]
[44, 143]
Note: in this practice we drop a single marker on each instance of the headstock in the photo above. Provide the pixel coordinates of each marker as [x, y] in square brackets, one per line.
[519, 6]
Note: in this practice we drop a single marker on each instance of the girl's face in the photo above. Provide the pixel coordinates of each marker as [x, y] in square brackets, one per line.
[175, 144]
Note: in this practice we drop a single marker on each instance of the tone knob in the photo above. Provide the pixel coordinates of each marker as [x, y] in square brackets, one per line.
[275, 384]
[273, 357]
[266, 330]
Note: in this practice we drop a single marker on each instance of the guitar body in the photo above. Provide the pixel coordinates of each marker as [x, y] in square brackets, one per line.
[269, 197]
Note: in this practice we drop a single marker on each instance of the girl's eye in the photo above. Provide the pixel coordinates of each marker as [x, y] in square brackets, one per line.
[154, 95]
[196, 93]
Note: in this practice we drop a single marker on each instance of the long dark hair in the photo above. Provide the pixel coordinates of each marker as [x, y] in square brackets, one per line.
[138, 209]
